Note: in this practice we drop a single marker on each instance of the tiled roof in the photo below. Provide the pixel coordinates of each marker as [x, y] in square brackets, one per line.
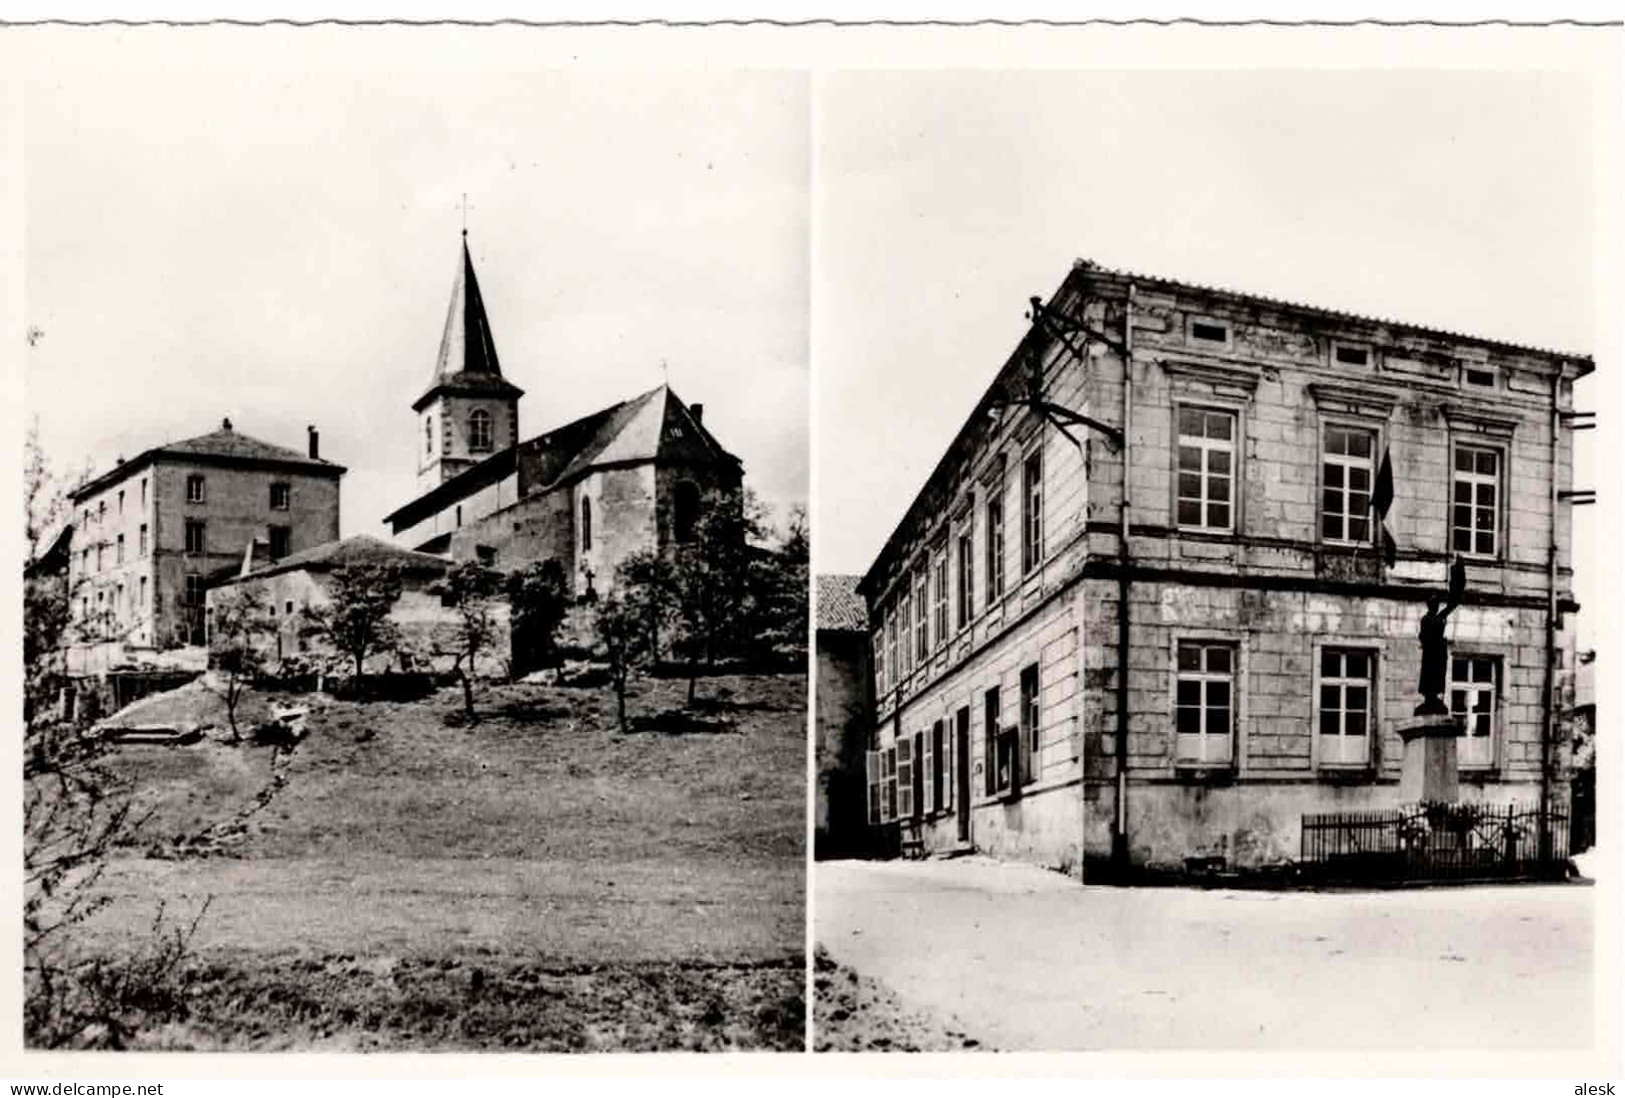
[655, 424]
[359, 549]
[226, 444]
[839, 604]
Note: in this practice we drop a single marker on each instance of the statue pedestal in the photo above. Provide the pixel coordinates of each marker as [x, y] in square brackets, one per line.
[1428, 773]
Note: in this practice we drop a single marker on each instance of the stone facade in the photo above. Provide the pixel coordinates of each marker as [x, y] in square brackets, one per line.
[150, 534]
[1271, 652]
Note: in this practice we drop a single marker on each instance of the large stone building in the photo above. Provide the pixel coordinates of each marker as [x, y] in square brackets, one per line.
[586, 494]
[1177, 635]
[149, 534]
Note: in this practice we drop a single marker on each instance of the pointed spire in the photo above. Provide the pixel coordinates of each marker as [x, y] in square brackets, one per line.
[468, 352]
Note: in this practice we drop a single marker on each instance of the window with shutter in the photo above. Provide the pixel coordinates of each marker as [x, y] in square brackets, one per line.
[990, 740]
[889, 785]
[905, 778]
[947, 754]
[1031, 726]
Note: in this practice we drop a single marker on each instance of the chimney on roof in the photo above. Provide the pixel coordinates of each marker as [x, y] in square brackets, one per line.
[315, 442]
[698, 412]
[225, 424]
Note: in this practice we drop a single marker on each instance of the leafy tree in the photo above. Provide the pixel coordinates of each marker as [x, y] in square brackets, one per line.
[710, 573]
[648, 582]
[473, 590]
[622, 630]
[241, 632]
[779, 575]
[538, 599]
[357, 621]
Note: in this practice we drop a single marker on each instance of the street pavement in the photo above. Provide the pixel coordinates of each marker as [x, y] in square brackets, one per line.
[1023, 958]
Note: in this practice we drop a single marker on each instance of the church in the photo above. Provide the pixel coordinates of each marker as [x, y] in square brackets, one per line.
[586, 494]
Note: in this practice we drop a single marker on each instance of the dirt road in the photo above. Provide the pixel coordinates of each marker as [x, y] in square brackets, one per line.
[1020, 958]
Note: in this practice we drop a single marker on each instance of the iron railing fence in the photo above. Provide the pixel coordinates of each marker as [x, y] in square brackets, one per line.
[1435, 842]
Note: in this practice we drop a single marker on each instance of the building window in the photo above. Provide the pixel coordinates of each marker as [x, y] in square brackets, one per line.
[280, 496]
[143, 492]
[1484, 379]
[1031, 726]
[142, 608]
[1346, 474]
[143, 542]
[1203, 702]
[879, 645]
[891, 643]
[194, 589]
[1475, 513]
[101, 511]
[1206, 469]
[995, 549]
[458, 517]
[479, 431]
[687, 510]
[1474, 685]
[941, 584]
[905, 628]
[967, 580]
[194, 536]
[934, 768]
[1345, 355]
[1346, 717]
[118, 552]
[586, 525]
[922, 621]
[194, 488]
[1209, 332]
[889, 781]
[121, 501]
[100, 559]
[487, 555]
[281, 541]
[1032, 511]
[995, 745]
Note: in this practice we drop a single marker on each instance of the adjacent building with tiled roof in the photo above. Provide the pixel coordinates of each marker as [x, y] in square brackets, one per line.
[586, 494]
[841, 717]
[150, 533]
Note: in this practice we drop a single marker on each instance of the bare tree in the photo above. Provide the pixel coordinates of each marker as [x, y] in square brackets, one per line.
[473, 590]
[621, 629]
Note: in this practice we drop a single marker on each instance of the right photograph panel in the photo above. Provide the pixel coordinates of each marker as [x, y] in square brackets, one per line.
[1205, 575]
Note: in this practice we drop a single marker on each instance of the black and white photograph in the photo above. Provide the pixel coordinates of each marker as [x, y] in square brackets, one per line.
[416, 625]
[1207, 620]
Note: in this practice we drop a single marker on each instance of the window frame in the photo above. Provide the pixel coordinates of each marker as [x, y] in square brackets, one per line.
[201, 493]
[992, 729]
[1182, 760]
[1031, 722]
[1373, 711]
[1193, 340]
[281, 489]
[939, 608]
[994, 548]
[1032, 510]
[273, 533]
[202, 539]
[1235, 450]
[965, 553]
[922, 615]
[878, 655]
[1496, 692]
[586, 523]
[1501, 450]
[481, 432]
[1328, 424]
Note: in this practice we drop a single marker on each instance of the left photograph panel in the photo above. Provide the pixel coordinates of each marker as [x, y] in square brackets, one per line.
[415, 614]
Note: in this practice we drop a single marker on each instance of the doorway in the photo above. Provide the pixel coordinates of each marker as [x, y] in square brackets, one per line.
[962, 771]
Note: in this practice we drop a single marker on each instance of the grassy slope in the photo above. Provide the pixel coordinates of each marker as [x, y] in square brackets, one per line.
[538, 837]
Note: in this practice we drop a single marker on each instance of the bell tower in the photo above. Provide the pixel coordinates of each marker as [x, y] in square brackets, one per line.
[469, 411]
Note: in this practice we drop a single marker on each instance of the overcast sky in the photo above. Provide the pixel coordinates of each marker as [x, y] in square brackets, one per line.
[945, 200]
[279, 248]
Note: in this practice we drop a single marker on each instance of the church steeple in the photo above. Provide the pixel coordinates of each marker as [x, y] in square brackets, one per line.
[469, 411]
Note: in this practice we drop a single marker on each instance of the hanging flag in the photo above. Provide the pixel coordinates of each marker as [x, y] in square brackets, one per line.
[1382, 497]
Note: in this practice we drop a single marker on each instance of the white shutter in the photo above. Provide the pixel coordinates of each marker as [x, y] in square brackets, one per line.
[927, 786]
[949, 774]
[871, 765]
[905, 777]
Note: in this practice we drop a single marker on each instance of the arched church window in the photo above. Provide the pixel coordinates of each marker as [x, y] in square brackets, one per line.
[479, 430]
[687, 510]
[428, 434]
[586, 525]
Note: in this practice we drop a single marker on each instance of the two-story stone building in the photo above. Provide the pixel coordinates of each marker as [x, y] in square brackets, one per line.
[587, 494]
[1178, 635]
[149, 533]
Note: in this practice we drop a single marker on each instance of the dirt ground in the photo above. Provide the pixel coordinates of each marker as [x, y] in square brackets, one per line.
[1040, 962]
[857, 1013]
[613, 891]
